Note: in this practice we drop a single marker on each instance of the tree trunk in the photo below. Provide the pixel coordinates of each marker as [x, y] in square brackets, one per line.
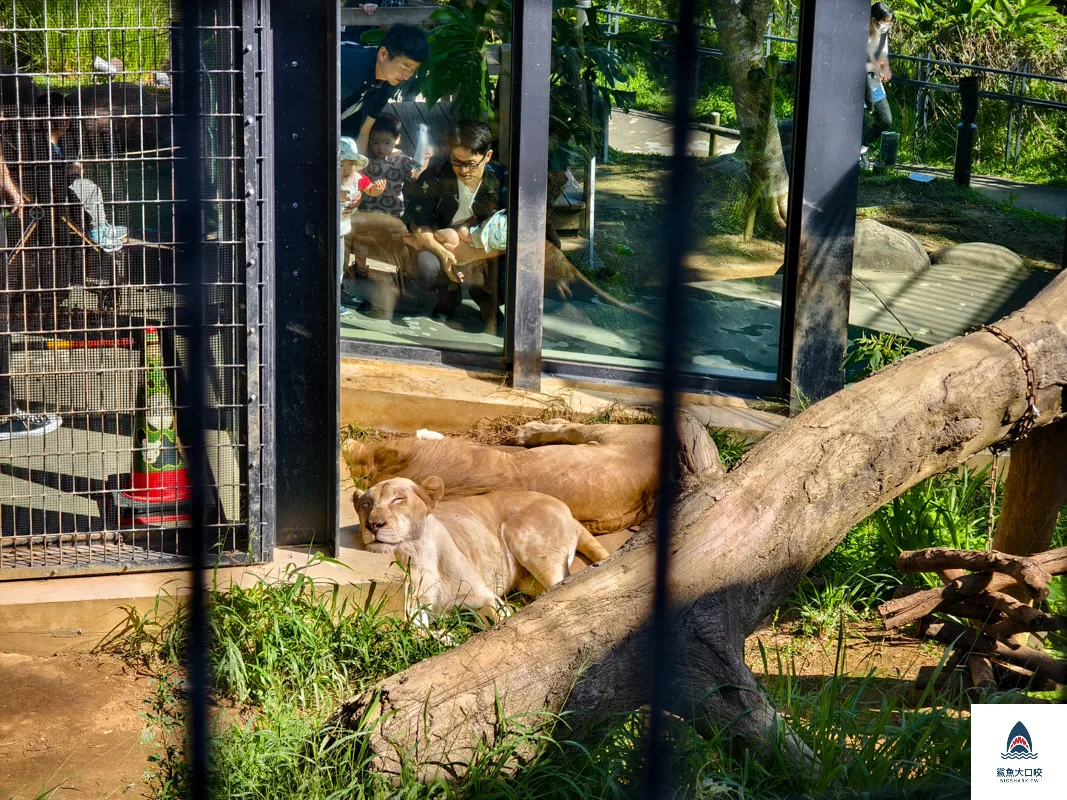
[740, 548]
[1034, 492]
[741, 27]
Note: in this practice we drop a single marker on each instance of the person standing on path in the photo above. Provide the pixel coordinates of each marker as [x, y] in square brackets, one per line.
[878, 72]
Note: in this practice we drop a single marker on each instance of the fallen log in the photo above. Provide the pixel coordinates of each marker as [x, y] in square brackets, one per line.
[912, 607]
[964, 639]
[1026, 571]
[740, 548]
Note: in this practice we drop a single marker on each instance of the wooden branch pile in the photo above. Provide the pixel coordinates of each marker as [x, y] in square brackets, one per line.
[988, 589]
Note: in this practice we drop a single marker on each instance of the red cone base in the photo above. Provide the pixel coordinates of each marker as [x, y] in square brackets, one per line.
[168, 486]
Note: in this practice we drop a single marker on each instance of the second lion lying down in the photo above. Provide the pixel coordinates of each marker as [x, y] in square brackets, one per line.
[607, 475]
[471, 552]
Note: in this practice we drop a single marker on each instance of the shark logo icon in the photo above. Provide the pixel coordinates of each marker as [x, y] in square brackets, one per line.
[1020, 745]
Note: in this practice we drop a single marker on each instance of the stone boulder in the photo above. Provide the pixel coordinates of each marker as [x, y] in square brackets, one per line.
[978, 254]
[879, 248]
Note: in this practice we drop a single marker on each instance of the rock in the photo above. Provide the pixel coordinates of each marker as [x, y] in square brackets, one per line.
[978, 254]
[879, 248]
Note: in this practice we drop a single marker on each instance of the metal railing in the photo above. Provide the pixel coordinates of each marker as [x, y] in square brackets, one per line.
[1021, 79]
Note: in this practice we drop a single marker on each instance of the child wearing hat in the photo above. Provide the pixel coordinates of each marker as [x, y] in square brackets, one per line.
[353, 185]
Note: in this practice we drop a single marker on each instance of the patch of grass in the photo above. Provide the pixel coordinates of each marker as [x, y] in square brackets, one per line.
[866, 741]
[731, 445]
[359, 433]
[940, 213]
[288, 638]
[870, 352]
[62, 37]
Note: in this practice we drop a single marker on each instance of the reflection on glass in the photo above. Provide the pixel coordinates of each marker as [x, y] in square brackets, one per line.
[423, 188]
[937, 250]
[607, 310]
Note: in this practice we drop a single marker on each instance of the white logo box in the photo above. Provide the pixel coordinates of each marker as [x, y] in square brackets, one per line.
[1018, 751]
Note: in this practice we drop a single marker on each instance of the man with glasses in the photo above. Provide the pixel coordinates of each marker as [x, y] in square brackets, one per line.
[464, 189]
[370, 77]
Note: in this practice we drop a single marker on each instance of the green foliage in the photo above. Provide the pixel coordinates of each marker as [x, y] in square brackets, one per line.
[938, 19]
[64, 36]
[731, 445]
[457, 67]
[288, 638]
[949, 510]
[871, 352]
[457, 64]
[864, 738]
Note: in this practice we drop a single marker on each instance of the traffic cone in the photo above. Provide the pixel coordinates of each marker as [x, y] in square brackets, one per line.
[158, 489]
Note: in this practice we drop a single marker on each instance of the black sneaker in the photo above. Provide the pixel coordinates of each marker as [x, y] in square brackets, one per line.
[349, 299]
[21, 424]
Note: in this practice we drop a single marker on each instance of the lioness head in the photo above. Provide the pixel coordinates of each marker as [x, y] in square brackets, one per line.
[393, 511]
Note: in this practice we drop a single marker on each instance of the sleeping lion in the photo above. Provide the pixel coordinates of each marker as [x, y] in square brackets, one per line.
[607, 475]
[473, 551]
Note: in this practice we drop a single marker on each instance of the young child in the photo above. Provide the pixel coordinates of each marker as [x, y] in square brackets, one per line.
[489, 236]
[391, 165]
[353, 182]
[355, 187]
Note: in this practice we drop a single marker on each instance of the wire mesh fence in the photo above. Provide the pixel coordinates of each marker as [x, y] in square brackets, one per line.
[94, 326]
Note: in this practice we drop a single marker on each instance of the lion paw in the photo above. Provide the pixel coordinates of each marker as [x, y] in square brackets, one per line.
[533, 433]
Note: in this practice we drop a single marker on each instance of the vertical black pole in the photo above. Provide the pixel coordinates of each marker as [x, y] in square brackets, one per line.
[190, 260]
[531, 57]
[305, 103]
[823, 186]
[676, 245]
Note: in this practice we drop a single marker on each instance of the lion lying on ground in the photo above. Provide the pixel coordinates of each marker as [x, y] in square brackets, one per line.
[473, 551]
[607, 475]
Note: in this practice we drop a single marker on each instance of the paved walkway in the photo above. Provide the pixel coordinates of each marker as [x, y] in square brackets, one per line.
[1051, 200]
[638, 132]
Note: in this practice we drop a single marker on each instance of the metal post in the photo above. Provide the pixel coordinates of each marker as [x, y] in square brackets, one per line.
[305, 102]
[189, 233]
[677, 234]
[1011, 117]
[823, 187]
[255, 126]
[528, 196]
[590, 208]
[966, 130]
[1019, 121]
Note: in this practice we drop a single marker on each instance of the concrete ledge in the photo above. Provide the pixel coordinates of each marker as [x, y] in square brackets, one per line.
[406, 397]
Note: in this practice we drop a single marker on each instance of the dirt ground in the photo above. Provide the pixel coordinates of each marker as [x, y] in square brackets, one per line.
[71, 720]
[630, 205]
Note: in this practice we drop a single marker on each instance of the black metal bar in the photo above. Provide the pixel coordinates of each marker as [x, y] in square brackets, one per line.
[677, 235]
[565, 370]
[653, 379]
[265, 324]
[307, 291]
[823, 187]
[251, 122]
[531, 54]
[189, 233]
